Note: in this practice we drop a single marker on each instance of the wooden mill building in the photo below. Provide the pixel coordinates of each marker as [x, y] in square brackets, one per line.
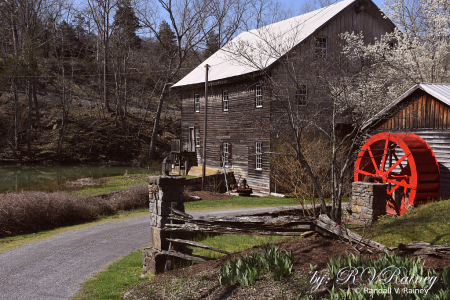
[425, 111]
[240, 110]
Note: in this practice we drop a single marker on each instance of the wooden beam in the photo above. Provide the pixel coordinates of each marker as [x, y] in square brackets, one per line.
[199, 245]
[180, 213]
[185, 256]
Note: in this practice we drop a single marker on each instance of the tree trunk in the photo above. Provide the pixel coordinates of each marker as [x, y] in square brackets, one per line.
[30, 113]
[316, 184]
[156, 124]
[16, 112]
[36, 106]
[105, 71]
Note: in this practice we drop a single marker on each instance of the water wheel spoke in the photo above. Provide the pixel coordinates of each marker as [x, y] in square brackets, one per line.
[393, 189]
[373, 160]
[401, 167]
[366, 173]
[397, 163]
[383, 162]
[400, 183]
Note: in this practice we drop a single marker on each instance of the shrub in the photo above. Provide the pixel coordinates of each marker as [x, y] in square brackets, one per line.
[35, 211]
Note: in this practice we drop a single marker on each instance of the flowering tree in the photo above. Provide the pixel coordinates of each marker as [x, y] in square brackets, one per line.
[418, 51]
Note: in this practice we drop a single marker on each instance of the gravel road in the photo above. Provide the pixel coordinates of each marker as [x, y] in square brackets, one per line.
[53, 269]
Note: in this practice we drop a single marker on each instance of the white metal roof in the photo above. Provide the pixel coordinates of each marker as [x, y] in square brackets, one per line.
[440, 91]
[257, 49]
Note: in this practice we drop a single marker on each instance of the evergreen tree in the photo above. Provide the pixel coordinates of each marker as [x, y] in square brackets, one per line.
[167, 41]
[212, 44]
[125, 25]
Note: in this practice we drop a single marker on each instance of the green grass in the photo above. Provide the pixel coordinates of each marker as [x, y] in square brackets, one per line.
[114, 183]
[429, 223]
[246, 202]
[235, 243]
[117, 277]
[240, 202]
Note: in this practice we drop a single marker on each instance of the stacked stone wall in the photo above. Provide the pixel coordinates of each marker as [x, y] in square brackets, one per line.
[165, 192]
[368, 202]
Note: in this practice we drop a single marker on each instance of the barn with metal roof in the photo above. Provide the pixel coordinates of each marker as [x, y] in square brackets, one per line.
[240, 110]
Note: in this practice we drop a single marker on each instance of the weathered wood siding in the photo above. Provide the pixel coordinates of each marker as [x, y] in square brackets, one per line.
[420, 112]
[302, 66]
[427, 117]
[241, 126]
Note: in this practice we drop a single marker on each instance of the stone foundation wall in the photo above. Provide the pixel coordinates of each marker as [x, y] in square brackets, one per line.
[368, 202]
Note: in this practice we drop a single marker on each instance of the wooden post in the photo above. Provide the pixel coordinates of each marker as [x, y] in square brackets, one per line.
[204, 128]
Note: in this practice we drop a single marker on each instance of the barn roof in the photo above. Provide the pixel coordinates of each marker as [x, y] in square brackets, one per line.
[252, 45]
[440, 91]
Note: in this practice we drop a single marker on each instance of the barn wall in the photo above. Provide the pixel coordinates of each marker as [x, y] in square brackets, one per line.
[241, 126]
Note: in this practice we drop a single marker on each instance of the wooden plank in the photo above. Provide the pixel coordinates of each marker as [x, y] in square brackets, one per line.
[196, 244]
[415, 109]
[408, 117]
[421, 111]
[246, 220]
[180, 213]
[433, 112]
[235, 231]
[186, 256]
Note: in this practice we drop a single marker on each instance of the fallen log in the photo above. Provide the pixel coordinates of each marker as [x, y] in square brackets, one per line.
[329, 226]
[423, 248]
[199, 245]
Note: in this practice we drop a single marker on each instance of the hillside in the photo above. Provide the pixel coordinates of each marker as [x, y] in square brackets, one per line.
[89, 133]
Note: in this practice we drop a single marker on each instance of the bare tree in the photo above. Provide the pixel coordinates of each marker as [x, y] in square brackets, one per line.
[191, 23]
[101, 12]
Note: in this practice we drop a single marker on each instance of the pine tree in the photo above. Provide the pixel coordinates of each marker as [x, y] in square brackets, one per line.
[212, 44]
[167, 42]
[126, 24]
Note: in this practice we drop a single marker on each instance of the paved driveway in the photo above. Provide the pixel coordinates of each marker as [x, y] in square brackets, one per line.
[53, 269]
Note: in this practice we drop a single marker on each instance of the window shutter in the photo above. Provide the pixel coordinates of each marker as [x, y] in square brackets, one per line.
[229, 153]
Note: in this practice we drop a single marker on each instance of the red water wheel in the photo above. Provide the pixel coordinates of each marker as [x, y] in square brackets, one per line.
[406, 163]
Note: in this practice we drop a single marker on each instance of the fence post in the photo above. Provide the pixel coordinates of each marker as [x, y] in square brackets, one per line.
[164, 192]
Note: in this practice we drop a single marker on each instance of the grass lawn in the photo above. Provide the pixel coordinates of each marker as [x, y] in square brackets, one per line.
[246, 202]
[110, 283]
[428, 223]
[114, 183]
[240, 202]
